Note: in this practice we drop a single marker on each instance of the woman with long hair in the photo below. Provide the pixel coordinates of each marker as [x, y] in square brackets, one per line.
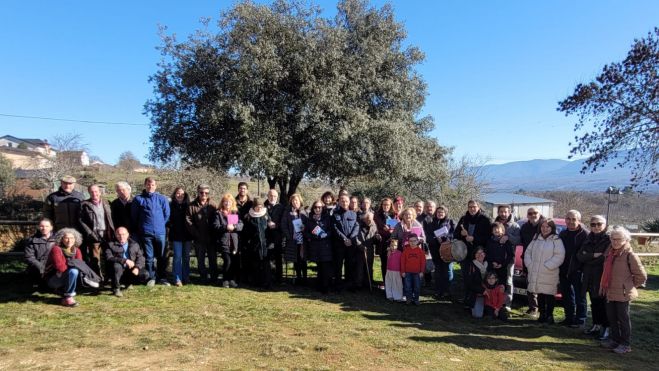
[179, 236]
[58, 272]
[292, 225]
[227, 224]
[542, 258]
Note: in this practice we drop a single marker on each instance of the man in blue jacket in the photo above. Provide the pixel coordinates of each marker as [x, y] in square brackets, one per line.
[346, 230]
[150, 212]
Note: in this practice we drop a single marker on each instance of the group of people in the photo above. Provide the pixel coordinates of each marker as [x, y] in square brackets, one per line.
[124, 243]
[599, 262]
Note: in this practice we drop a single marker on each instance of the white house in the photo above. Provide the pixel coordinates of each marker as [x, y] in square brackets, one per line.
[519, 204]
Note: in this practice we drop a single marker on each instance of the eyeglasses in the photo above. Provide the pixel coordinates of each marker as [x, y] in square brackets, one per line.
[596, 224]
[570, 219]
[617, 239]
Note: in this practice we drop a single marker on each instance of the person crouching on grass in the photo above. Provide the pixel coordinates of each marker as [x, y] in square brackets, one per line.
[412, 265]
[495, 297]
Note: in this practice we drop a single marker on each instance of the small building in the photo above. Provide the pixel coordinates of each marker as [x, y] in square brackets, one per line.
[21, 158]
[34, 145]
[519, 204]
[76, 158]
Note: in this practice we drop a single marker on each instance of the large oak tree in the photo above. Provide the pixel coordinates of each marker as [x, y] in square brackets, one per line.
[282, 92]
[618, 114]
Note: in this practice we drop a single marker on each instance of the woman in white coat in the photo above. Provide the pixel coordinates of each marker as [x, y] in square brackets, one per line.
[543, 258]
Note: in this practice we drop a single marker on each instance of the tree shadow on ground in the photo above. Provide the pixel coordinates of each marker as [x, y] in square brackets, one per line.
[448, 321]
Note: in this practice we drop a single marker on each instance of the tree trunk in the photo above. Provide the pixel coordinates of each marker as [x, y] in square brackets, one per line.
[293, 183]
[283, 189]
[272, 181]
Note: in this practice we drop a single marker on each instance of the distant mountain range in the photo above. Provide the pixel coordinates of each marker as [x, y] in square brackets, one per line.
[554, 175]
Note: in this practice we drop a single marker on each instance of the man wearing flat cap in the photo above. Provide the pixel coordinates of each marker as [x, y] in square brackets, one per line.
[63, 205]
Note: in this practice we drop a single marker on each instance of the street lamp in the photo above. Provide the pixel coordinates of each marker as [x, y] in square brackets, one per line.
[613, 197]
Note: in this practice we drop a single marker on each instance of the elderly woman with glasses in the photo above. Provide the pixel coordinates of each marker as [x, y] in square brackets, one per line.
[591, 254]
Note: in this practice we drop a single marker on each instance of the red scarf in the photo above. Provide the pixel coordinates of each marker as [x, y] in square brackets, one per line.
[605, 281]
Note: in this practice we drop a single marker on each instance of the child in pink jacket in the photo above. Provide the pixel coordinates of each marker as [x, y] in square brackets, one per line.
[393, 283]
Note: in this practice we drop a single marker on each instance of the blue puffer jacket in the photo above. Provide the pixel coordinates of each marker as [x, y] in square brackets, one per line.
[345, 225]
[150, 211]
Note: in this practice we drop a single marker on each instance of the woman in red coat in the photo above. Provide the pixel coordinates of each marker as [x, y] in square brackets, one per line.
[58, 273]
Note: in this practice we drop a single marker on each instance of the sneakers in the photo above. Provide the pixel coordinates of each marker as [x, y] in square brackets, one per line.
[609, 344]
[178, 284]
[129, 287]
[595, 329]
[117, 293]
[233, 284]
[89, 283]
[622, 349]
[69, 301]
[604, 334]
[151, 283]
[533, 313]
[225, 284]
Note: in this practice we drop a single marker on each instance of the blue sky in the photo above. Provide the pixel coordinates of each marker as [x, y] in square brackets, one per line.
[495, 69]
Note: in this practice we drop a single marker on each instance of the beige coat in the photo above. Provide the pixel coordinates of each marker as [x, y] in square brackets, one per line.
[543, 258]
[627, 274]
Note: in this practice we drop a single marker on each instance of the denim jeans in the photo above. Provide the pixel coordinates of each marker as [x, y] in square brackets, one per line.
[479, 307]
[412, 288]
[155, 248]
[181, 268]
[572, 298]
[68, 281]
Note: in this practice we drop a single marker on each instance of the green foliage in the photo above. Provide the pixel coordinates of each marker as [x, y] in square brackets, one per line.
[7, 176]
[620, 111]
[651, 226]
[278, 91]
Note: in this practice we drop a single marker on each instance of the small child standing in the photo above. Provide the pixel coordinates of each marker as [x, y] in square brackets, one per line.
[412, 264]
[495, 298]
[393, 283]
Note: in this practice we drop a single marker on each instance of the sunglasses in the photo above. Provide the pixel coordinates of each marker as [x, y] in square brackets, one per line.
[596, 224]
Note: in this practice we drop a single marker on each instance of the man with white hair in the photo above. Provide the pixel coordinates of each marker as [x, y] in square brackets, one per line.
[120, 207]
[574, 302]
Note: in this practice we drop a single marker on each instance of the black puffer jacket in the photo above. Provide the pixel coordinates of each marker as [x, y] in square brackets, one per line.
[572, 242]
[63, 209]
[227, 241]
[254, 229]
[178, 230]
[36, 252]
[593, 267]
[481, 233]
[114, 253]
[320, 247]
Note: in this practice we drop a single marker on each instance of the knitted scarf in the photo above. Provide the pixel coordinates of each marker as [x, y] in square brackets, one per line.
[69, 252]
[605, 281]
[481, 267]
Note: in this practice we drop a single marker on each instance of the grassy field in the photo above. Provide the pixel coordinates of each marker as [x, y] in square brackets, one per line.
[199, 327]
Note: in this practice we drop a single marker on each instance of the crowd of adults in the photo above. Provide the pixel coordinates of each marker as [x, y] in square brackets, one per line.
[93, 243]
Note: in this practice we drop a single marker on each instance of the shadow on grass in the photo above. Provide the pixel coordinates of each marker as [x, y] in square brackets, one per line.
[444, 322]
